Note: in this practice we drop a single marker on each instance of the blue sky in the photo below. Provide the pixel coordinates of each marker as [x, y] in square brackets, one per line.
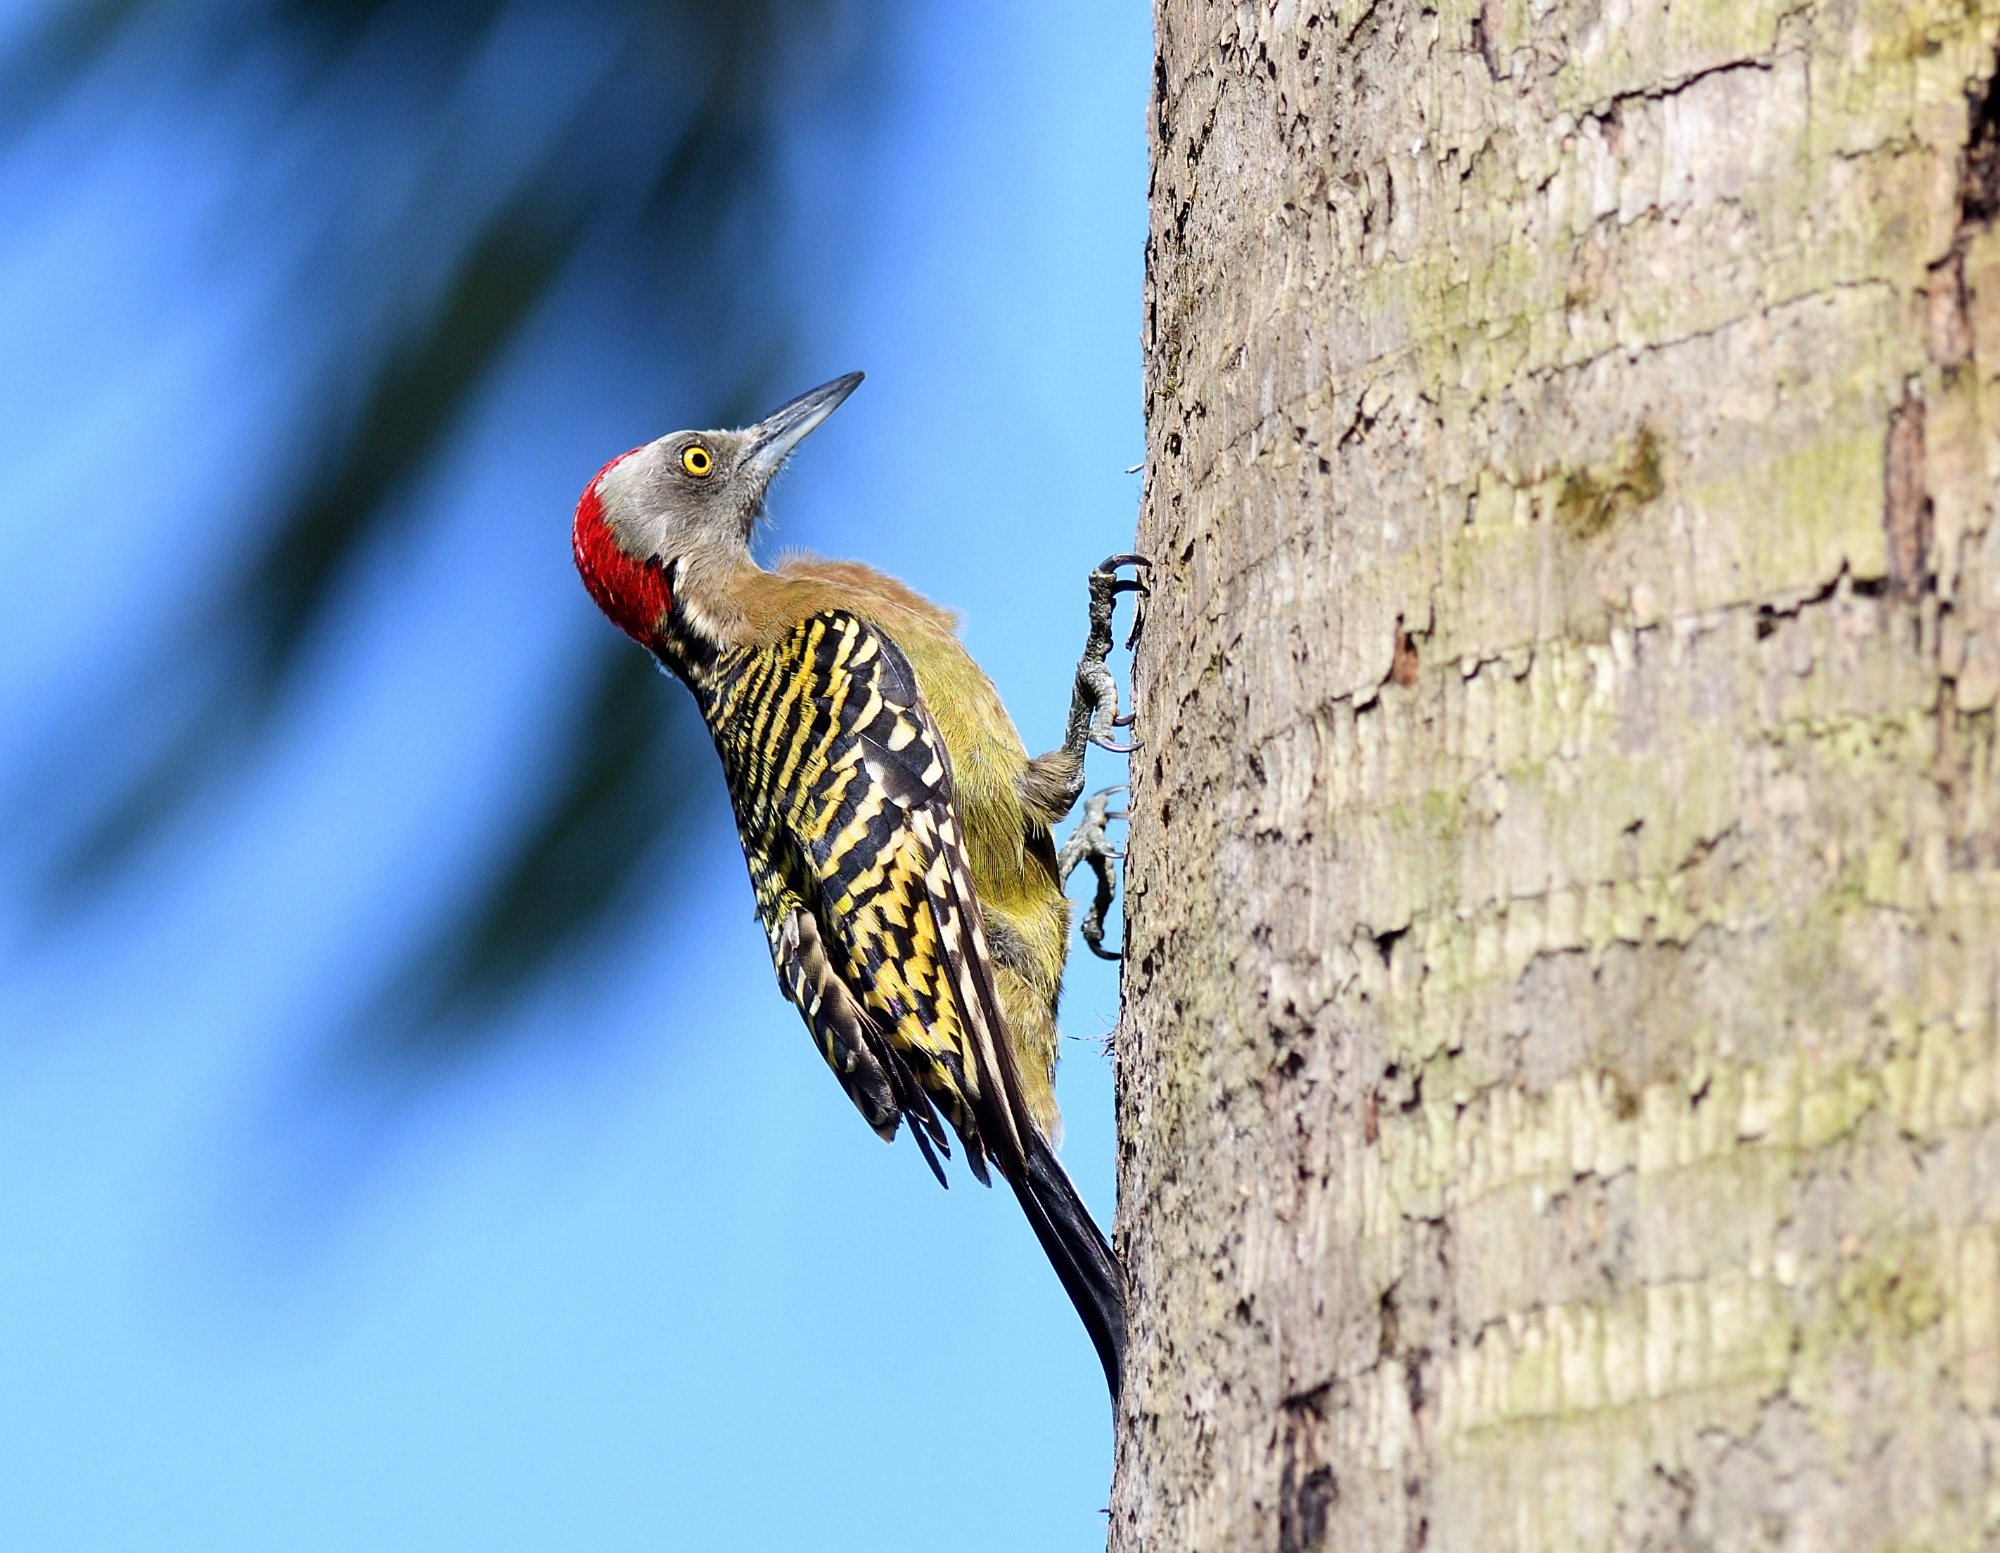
[646, 1281]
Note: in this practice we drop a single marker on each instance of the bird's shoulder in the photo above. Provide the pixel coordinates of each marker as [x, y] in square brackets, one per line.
[933, 671]
[830, 699]
[775, 602]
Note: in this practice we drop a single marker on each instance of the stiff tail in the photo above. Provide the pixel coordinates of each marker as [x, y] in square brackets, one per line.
[1078, 1251]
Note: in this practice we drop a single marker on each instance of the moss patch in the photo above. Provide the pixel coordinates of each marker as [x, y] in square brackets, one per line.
[1588, 501]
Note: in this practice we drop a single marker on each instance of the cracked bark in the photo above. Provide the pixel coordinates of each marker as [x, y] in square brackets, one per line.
[1560, 1073]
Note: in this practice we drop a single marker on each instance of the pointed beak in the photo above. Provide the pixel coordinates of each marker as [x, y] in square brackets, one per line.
[773, 438]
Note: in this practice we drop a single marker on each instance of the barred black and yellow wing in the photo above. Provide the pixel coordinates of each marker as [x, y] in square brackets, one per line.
[844, 802]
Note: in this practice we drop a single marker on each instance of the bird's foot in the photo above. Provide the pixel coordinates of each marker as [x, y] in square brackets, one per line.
[1094, 710]
[1089, 844]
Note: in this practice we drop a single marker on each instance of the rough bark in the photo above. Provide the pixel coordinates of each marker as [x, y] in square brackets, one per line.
[1559, 1096]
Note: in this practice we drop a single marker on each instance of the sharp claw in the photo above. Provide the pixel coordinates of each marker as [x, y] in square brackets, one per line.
[1106, 581]
[1102, 953]
[1105, 742]
[1123, 719]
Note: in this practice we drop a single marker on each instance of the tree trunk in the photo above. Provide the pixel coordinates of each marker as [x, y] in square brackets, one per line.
[1558, 1075]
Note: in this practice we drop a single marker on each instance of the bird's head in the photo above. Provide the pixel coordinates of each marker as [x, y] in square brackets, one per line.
[668, 518]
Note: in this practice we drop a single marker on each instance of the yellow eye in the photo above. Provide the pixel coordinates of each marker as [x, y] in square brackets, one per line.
[697, 461]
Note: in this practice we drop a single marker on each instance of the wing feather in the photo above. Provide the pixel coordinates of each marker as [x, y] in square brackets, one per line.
[843, 789]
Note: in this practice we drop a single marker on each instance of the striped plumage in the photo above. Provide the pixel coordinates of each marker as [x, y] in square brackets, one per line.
[844, 803]
[896, 831]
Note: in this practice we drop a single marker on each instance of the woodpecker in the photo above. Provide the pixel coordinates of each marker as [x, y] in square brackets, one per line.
[897, 832]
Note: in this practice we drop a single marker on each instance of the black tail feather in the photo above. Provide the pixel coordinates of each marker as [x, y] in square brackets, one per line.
[930, 1154]
[1078, 1251]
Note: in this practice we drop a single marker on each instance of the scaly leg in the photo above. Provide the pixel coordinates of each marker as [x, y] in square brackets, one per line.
[1055, 780]
[1093, 707]
[1089, 845]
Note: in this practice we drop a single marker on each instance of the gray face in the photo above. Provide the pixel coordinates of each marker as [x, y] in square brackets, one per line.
[695, 495]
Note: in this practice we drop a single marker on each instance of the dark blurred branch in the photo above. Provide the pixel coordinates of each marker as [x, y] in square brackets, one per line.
[660, 225]
[601, 838]
[421, 388]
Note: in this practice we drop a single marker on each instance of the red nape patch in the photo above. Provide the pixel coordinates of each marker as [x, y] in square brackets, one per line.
[633, 594]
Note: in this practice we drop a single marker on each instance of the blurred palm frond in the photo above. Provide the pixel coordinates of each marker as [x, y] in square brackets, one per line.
[477, 164]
